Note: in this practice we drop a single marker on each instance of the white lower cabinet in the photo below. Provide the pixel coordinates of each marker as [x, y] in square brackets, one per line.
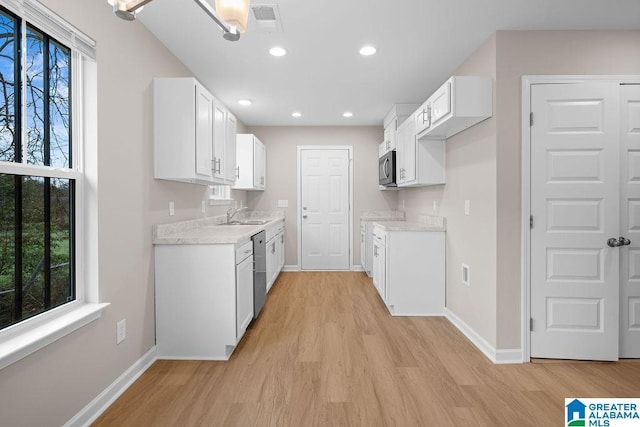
[379, 263]
[409, 271]
[275, 252]
[204, 299]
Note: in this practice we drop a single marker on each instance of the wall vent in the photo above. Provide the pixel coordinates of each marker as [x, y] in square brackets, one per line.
[267, 17]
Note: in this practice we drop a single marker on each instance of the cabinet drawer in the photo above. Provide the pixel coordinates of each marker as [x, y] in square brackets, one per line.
[243, 251]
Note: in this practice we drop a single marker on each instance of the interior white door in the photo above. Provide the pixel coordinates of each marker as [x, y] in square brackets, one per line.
[324, 198]
[630, 214]
[575, 158]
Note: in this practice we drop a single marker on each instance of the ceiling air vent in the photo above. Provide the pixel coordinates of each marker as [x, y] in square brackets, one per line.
[267, 17]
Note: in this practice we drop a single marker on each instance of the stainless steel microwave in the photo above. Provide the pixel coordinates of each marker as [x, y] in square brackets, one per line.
[387, 169]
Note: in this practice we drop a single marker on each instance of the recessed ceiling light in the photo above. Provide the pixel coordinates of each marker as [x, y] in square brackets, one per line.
[244, 102]
[278, 51]
[367, 50]
[347, 114]
[296, 114]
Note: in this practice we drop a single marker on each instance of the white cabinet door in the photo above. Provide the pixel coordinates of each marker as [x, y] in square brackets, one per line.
[422, 117]
[440, 103]
[219, 140]
[407, 153]
[204, 135]
[281, 246]
[244, 296]
[363, 245]
[229, 157]
[259, 164]
[379, 268]
[272, 262]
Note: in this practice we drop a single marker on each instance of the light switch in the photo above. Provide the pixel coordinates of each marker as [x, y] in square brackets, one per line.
[283, 203]
[467, 207]
[435, 206]
[172, 209]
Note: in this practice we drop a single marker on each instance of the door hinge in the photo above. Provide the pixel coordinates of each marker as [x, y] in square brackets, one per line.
[531, 324]
[530, 221]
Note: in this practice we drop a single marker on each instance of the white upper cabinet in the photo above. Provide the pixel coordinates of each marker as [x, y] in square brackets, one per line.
[418, 163]
[193, 134]
[183, 123]
[251, 163]
[461, 102]
[398, 114]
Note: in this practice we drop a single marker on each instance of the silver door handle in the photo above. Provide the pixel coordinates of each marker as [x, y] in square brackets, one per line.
[614, 243]
[624, 241]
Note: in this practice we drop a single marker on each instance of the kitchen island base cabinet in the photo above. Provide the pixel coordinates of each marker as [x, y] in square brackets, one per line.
[197, 312]
[413, 265]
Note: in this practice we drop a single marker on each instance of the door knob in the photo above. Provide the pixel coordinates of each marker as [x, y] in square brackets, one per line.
[624, 241]
[614, 243]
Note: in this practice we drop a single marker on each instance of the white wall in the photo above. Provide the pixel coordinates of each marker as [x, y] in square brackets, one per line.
[50, 386]
[281, 144]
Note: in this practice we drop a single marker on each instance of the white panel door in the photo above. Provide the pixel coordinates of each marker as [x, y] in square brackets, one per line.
[325, 209]
[630, 214]
[575, 159]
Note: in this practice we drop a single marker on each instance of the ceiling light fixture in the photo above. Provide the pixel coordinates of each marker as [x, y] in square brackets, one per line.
[244, 102]
[230, 15]
[296, 114]
[367, 50]
[278, 51]
[347, 114]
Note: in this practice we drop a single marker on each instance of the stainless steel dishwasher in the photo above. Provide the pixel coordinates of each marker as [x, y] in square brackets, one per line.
[259, 272]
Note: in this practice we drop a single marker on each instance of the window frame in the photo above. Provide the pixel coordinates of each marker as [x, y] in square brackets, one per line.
[31, 334]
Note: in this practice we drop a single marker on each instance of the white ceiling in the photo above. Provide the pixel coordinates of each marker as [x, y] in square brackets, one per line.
[420, 43]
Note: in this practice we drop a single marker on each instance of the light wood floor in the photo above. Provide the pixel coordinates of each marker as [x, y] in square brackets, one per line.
[325, 352]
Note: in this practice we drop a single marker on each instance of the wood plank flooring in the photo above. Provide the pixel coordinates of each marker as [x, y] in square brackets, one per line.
[325, 352]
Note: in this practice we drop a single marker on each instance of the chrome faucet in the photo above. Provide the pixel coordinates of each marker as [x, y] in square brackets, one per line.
[231, 212]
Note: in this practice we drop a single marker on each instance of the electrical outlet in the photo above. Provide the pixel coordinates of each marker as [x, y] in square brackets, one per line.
[402, 203]
[283, 203]
[466, 275]
[435, 206]
[121, 331]
[203, 206]
[172, 209]
[467, 207]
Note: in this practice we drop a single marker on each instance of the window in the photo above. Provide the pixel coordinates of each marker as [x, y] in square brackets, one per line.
[37, 172]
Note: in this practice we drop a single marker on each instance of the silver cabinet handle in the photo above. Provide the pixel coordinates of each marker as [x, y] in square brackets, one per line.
[304, 216]
[237, 172]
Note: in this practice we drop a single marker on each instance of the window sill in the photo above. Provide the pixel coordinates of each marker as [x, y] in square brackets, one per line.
[20, 345]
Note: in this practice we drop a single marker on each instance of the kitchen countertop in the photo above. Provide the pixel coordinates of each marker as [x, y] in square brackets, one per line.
[425, 223]
[382, 216]
[211, 230]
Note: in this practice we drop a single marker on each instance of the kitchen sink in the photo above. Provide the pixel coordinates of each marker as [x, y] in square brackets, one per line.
[247, 222]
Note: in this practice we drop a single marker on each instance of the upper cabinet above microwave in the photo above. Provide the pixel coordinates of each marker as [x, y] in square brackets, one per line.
[461, 102]
[398, 114]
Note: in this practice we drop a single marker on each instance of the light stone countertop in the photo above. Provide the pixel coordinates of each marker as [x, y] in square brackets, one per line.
[382, 216]
[425, 223]
[210, 230]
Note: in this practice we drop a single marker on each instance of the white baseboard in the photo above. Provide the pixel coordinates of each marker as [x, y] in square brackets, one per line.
[496, 356]
[357, 268]
[290, 268]
[97, 406]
